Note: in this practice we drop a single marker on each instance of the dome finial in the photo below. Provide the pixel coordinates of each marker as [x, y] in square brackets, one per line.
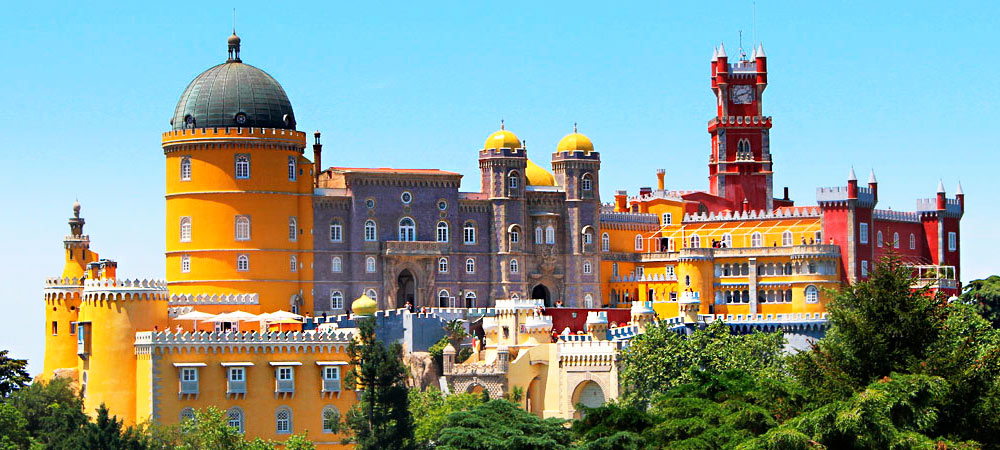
[234, 43]
[501, 123]
[76, 209]
[574, 127]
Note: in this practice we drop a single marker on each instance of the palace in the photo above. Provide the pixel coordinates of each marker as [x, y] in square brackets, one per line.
[551, 280]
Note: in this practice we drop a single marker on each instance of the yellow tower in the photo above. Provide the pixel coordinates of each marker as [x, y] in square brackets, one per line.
[238, 194]
[62, 299]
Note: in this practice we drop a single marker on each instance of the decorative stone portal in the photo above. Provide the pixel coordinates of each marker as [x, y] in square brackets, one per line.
[540, 292]
[406, 289]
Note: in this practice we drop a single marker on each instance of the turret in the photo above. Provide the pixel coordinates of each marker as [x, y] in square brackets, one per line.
[941, 200]
[873, 185]
[715, 65]
[642, 313]
[722, 66]
[761, 62]
[597, 325]
[852, 185]
[960, 196]
[689, 305]
[660, 174]
[448, 358]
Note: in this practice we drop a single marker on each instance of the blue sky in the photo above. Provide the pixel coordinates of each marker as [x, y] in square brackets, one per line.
[904, 87]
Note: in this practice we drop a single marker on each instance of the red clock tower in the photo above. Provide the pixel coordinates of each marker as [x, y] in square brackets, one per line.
[740, 166]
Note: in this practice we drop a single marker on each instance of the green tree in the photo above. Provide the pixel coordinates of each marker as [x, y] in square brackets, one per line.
[431, 408]
[381, 419]
[14, 433]
[660, 358]
[210, 430]
[13, 374]
[107, 433]
[613, 426]
[53, 410]
[984, 294]
[500, 424]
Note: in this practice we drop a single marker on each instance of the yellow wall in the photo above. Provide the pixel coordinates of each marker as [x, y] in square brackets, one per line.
[60, 347]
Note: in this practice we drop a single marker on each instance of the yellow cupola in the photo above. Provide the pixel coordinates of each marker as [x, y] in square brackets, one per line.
[502, 139]
[574, 142]
[364, 306]
[538, 176]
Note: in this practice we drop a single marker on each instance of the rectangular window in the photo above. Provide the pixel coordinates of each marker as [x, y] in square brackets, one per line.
[293, 229]
[189, 380]
[470, 235]
[237, 381]
[952, 241]
[55, 328]
[285, 380]
[864, 268]
[186, 168]
[640, 271]
[291, 168]
[331, 379]
[863, 233]
[185, 264]
[336, 233]
[667, 218]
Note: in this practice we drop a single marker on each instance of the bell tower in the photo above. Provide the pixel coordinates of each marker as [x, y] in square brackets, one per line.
[739, 168]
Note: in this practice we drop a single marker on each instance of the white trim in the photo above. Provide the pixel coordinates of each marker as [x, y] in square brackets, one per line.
[332, 363]
[190, 365]
[281, 364]
[236, 364]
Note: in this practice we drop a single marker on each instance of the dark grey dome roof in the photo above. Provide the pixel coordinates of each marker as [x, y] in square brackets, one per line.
[222, 94]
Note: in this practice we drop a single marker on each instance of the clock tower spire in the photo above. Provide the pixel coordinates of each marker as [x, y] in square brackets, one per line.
[740, 164]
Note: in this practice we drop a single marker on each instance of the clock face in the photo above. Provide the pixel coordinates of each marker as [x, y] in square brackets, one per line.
[742, 94]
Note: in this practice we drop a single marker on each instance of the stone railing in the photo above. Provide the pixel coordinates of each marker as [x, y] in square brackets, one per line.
[214, 299]
[794, 252]
[414, 248]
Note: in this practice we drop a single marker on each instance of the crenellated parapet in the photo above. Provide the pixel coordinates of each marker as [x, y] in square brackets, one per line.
[62, 288]
[214, 299]
[149, 342]
[587, 353]
[210, 138]
[516, 306]
[124, 289]
[784, 213]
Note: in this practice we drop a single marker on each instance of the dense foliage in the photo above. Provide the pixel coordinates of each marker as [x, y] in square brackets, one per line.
[430, 410]
[501, 424]
[985, 296]
[381, 420]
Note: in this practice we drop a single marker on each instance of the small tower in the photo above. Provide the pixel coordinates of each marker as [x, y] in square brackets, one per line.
[642, 314]
[503, 163]
[689, 305]
[597, 325]
[576, 166]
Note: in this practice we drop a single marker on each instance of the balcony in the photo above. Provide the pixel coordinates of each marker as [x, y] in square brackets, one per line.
[236, 387]
[331, 385]
[414, 248]
[793, 252]
[934, 277]
[189, 387]
[284, 386]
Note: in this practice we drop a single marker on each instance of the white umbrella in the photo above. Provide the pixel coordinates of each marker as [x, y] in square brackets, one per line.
[282, 315]
[235, 316]
[195, 316]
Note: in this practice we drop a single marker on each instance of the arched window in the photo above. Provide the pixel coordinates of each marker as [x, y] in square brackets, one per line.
[187, 414]
[550, 235]
[283, 421]
[443, 298]
[185, 229]
[469, 233]
[614, 270]
[407, 229]
[370, 231]
[243, 263]
[443, 265]
[588, 235]
[539, 235]
[895, 240]
[336, 231]
[234, 418]
[513, 235]
[587, 267]
[586, 183]
[336, 264]
[756, 239]
[186, 168]
[727, 240]
[513, 266]
[242, 166]
[786, 238]
[470, 299]
[788, 295]
[185, 264]
[605, 242]
[743, 151]
[695, 241]
[512, 182]
[336, 300]
[812, 294]
[878, 238]
[331, 419]
[470, 265]
[588, 301]
[913, 242]
[291, 168]
[293, 229]
[370, 264]
[638, 242]
[242, 228]
[514, 296]
[293, 264]
[372, 294]
[442, 231]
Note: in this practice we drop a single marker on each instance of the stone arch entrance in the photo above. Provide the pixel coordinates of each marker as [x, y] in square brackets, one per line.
[588, 394]
[540, 292]
[406, 289]
[479, 390]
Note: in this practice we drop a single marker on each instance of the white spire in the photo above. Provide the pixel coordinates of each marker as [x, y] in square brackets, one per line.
[852, 176]
[722, 51]
[959, 190]
[871, 178]
[940, 189]
[715, 54]
[760, 51]
[754, 54]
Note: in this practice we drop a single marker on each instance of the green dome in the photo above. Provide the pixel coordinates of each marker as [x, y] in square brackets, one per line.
[233, 94]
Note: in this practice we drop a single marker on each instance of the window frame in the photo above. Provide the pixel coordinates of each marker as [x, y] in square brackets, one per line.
[185, 169]
[469, 233]
[292, 168]
[442, 231]
[370, 264]
[241, 168]
[324, 419]
[812, 292]
[371, 230]
[605, 242]
[336, 295]
[470, 265]
[240, 232]
[756, 239]
[586, 182]
[442, 264]
[293, 229]
[293, 263]
[240, 418]
[550, 235]
[588, 267]
[242, 263]
[638, 242]
[513, 266]
[287, 429]
[407, 233]
[336, 231]
[666, 219]
[185, 229]
[863, 233]
[952, 241]
[185, 263]
[787, 239]
[336, 264]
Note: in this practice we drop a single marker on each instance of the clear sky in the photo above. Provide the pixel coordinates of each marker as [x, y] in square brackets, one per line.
[904, 87]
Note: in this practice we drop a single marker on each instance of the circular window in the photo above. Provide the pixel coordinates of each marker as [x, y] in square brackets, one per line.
[406, 197]
[241, 119]
[370, 203]
[442, 205]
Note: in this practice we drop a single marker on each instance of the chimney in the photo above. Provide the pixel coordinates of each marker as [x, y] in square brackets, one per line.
[621, 201]
[786, 193]
[317, 159]
[645, 190]
[660, 173]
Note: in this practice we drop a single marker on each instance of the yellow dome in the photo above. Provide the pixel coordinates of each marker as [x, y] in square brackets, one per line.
[575, 142]
[502, 139]
[364, 306]
[537, 176]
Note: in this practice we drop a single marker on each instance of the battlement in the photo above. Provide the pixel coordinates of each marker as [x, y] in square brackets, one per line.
[214, 299]
[503, 153]
[597, 318]
[689, 297]
[789, 213]
[929, 205]
[64, 283]
[740, 121]
[838, 194]
[631, 278]
[627, 217]
[575, 155]
[514, 306]
[536, 323]
[298, 137]
[641, 308]
[587, 353]
[660, 195]
[895, 216]
[765, 318]
[125, 284]
[246, 340]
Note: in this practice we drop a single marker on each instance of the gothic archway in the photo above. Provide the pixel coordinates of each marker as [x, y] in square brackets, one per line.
[540, 292]
[406, 289]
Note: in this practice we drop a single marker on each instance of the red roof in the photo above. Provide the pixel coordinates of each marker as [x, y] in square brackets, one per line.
[389, 170]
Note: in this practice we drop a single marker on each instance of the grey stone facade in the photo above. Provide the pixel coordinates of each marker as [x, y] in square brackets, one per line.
[493, 265]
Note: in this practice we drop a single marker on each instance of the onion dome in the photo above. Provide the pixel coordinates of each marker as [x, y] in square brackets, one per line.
[233, 94]
[364, 306]
[537, 176]
[502, 139]
[574, 142]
